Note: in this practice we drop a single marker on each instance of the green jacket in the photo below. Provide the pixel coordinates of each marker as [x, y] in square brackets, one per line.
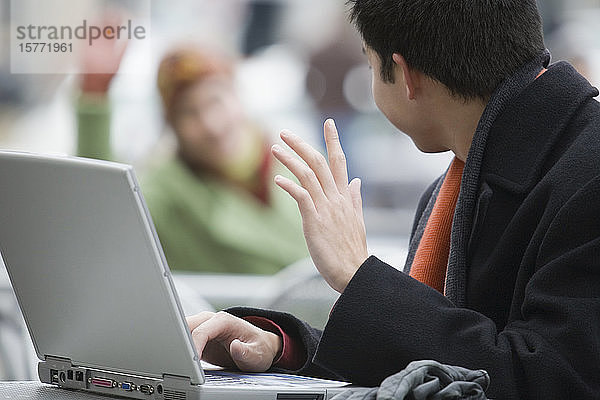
[204, 224]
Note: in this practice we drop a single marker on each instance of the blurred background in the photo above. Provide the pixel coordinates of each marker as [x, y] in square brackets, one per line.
[298, 62]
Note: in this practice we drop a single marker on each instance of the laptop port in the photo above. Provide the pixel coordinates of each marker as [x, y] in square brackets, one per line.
[103, 382]
[128, 386]
[53, 376]
[146, 389]
[63, 377]
[79, 376]
[70, 374]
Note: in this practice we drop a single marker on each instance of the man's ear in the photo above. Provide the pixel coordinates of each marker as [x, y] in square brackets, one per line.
[411, 77]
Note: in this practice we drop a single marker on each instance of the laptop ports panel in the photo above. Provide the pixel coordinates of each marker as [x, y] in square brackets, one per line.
[116, 384]
[147, 389]
[61, 373]
[103, 382]
[64, 375]
[54, 376]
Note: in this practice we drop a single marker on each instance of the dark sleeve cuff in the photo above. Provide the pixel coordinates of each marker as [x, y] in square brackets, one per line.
[292, 355]
[377, 325]
[305, 338]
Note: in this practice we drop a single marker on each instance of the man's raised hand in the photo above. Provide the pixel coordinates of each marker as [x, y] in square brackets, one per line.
[331, 209]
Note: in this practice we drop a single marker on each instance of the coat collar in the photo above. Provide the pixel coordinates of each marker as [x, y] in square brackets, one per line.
[515, 134]
[504, 95]
[523, 135]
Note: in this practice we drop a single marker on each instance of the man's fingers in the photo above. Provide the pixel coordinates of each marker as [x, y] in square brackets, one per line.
[354, 188]
[203, 334]
[315, 160]
[194, 320]
[301, 195]
[219, 327]
[337, 158]
[229, 341]
[305, 175]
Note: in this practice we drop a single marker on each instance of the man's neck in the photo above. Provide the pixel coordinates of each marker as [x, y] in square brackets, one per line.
[458, 122]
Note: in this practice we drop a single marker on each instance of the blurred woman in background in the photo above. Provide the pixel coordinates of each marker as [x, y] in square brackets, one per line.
[213, 202]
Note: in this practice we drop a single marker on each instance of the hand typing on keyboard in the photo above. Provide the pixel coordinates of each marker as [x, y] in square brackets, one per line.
[228, 341]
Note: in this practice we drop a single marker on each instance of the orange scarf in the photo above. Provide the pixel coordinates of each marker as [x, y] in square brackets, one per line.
[431, 259]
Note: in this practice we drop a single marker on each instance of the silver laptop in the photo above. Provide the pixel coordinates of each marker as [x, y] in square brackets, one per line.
[96, 292]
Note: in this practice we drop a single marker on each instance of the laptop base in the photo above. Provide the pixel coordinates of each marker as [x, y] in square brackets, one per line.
[62, 373]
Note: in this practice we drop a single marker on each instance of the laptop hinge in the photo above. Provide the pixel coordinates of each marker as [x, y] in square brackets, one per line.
[176, 380]
[58, 360]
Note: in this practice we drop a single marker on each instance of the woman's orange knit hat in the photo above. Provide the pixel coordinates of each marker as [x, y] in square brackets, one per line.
[185, 66]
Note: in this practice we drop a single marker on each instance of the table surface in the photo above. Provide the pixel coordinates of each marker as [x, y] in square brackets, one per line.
[36, 390]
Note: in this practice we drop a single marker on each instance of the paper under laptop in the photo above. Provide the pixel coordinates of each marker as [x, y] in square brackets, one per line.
[96, 292]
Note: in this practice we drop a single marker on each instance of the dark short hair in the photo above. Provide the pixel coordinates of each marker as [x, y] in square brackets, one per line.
[468, 45]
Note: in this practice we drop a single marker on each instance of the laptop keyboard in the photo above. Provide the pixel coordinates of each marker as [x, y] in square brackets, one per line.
[223, 378]
[219, 379]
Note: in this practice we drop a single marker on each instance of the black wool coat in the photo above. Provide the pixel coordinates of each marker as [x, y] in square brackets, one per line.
[523, 283]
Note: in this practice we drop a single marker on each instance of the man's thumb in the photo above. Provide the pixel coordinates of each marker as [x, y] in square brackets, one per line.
[238, 351]
[246, 358]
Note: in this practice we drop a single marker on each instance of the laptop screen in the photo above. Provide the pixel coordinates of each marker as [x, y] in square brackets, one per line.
[87, 268]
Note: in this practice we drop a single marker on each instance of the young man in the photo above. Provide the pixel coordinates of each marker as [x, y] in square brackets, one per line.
[503, 272]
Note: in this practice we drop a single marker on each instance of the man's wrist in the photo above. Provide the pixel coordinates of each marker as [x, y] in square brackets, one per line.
[347, 277]
[276, 344]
